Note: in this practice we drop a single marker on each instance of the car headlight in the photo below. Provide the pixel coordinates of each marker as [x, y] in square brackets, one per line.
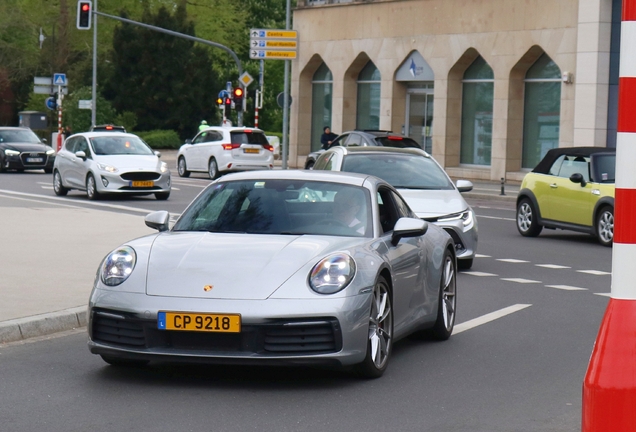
[11, 152]
[164, 167]
[466, 217]
[332, 274]
[107, 168]
[118, 265]
[50, 152]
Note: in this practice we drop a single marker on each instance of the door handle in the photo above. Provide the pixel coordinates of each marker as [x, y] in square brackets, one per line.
[553, 186]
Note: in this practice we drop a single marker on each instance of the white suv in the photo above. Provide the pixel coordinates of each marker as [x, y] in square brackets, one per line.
[217, 149]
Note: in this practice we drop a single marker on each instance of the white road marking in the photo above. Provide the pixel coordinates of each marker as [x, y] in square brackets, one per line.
[521, 280]
[594, 272]
[476, 273]
[512, 260]
[567, 287]
[47, 187]
[603, 294]
[484, 319]
[497, 218]
[552, 266]
[482, 256]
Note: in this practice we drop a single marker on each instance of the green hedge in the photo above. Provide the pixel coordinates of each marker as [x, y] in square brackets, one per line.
[161, 139]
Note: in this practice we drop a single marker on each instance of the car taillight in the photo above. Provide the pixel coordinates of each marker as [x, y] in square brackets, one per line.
[230, 146]
[394, 138]
[109, 128]
[268, 147]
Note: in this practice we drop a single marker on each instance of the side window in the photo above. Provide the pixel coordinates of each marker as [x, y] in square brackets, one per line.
[200, 138]
[69, 145]
[354, 140]
[324, 162]
[556, 166]
[213, 136]
[82, 145]
[387, 210]
[340, 140]
[402, 207]
[575, 164]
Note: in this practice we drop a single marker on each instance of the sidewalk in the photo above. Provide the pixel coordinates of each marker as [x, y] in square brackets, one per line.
[45, 289]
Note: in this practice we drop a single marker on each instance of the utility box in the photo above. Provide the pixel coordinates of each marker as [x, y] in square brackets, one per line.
[35, 120]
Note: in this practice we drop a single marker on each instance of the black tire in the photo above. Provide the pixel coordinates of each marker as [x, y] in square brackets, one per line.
[58, 188]
[464, 264]
[310, 164]
[380, 334]
[213, 169]
[605, 226]
[447, 306]
[91, 188]
[120, 362]
[182, 168]
[162, 196]
[527, 224]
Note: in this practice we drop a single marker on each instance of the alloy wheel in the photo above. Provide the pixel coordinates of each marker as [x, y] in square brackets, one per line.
[380, 325]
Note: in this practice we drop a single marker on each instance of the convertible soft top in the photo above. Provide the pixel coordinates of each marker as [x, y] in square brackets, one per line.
[544, 166]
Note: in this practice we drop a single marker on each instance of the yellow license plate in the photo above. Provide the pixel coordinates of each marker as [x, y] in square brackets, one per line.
[140, 183]
[186, 321]
[251, 150]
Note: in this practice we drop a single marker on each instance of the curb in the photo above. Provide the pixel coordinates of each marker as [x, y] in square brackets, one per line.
[41, 325]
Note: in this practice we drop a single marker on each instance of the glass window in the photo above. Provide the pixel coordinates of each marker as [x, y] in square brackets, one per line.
[368, 106]
[477, 101]
[248, 138]
[575, 164]
[120, 145]
[213, 136]
[556, 166]
[542, 107]
[19, 135]
[354, 140]
[321, 94]
[200, 138]
[604, 167]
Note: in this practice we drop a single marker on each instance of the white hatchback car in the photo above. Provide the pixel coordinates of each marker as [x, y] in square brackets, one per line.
[110, 162]
[218, 149]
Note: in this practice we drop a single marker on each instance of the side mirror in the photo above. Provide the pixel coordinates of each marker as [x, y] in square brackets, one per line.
[188, 141]
[158, 220]
[578, 178]
[80, 154]
[44, 140]
[157, 153]
[464, 185]
[408, 227]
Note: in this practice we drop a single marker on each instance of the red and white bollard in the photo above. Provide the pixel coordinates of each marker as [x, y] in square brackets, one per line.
[256, 118]
[60, 137]
[609, 388]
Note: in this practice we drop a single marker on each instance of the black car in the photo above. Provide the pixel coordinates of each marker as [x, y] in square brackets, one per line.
[21, 149]
[365, 138]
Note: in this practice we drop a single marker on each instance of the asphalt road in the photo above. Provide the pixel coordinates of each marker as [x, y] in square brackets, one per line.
[528, 314]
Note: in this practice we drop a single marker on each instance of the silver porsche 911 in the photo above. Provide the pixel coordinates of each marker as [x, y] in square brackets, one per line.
[277, 267]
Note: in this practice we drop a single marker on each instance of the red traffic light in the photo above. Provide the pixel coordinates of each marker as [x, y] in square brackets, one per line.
[85, 7]
[238, 92]
[84, 15]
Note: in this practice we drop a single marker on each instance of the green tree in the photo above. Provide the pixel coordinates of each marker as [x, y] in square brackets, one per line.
[79, 120]
[166, 81]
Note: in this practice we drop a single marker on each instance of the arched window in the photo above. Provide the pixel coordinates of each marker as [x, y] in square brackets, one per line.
[476, 128]
[321, 95]
[368, 105]
[541, 110]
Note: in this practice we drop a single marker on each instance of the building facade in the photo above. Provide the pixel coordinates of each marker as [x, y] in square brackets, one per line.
[485, 86]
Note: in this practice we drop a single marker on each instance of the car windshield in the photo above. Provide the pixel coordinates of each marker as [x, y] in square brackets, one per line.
[19, 136]
[120, 145]
[291, 207]
[403, 171]
[245, 137]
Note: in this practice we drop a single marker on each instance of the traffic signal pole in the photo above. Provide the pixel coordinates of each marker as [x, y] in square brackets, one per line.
[94, 89]
[609, 387]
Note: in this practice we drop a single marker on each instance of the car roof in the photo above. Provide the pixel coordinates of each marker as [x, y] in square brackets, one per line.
[14, 128]
[103, 133]
[231, 128]
[543, 167]
[306, 175]
[379, 149]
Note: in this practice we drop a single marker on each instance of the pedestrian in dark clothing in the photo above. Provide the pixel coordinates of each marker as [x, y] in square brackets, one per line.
[327, 138]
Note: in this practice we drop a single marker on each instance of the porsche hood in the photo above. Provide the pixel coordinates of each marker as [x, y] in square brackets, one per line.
[229, 266]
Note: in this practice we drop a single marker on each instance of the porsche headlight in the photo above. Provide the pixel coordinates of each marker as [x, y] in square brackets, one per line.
[11, 153]
[118, 265]
[164, 167]
[332, 274]
[107, 168]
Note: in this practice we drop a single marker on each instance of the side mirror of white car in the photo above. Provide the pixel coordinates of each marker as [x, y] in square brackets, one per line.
[158, 220]
[464, 185]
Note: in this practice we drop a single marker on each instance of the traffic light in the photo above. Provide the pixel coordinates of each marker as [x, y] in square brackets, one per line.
[228, 103]
[84, 9]
[219, 101]
[238, 99]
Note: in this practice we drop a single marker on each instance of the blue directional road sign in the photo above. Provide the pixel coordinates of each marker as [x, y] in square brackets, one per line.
[59, 79]
[51, 103]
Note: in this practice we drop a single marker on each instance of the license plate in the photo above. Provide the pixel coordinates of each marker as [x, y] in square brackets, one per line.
[35, 160]
[251, 150]
[186, 321]
[140, 183]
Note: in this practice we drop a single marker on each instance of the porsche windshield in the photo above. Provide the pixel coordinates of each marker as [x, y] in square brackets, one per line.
[120, 145]
[403, 171]
[289, 207]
